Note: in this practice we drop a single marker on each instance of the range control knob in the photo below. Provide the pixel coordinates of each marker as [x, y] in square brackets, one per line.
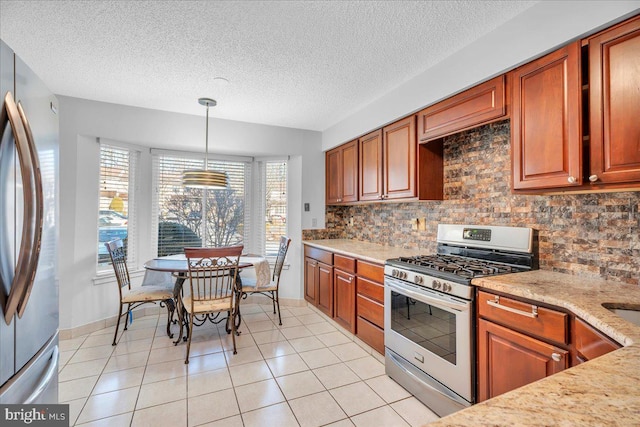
[394, 272]
[403, 275]
[446, 287]
[436, 284]
[418, 280]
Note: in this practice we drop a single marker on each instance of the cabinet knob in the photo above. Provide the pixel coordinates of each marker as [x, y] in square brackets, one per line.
[380, 197]
[593, 178]
[572, 180]
[556, 357]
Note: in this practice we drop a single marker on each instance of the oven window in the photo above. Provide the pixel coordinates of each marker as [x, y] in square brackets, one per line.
[426, 325]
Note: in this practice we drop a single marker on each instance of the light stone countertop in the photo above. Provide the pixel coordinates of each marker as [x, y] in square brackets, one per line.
[603, 391]
[367, 251]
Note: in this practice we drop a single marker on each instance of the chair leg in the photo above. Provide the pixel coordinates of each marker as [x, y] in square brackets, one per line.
[233, 330]
[126, 321]
[277, 301]
[170, 310]
[189, 330]
[115, 335]
[274, 303]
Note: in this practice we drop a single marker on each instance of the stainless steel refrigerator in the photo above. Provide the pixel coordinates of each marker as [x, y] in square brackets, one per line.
[28, 235]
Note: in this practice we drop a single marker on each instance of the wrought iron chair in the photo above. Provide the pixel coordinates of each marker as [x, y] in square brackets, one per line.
[133, 298]
[212, 277]
[270, 291]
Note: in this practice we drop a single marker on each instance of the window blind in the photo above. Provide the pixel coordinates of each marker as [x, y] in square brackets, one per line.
[275, 205]
[117, 217]
[196, 217]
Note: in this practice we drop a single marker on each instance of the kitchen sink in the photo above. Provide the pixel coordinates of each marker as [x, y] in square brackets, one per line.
[630, 314]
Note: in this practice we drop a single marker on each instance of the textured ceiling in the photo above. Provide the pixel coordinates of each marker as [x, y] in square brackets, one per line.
[301, 64]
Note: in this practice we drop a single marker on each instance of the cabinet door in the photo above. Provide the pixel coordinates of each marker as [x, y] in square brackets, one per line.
[614, 82]
[399, 159]
[371, 166]
[310, 279]
[344, 300]
[546, 135]
[508, 360]
[350, 172]
[333, 172]
[480, 104]
[324, 296]
[590, 343]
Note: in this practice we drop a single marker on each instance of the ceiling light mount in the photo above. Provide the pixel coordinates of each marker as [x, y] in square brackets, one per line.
[205, 178]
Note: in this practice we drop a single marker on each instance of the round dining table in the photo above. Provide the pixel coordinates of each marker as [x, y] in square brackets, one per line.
[177, 265]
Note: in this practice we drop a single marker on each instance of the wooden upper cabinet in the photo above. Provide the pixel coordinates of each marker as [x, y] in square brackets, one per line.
[342, 173]
[546, 135]
[371, 166]
[388, 162]
[399, 159]
[481, 104]
[614, 92]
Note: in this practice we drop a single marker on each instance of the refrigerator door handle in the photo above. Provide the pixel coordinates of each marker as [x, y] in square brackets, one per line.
[46, 378]
[39, 214]
[21, 278]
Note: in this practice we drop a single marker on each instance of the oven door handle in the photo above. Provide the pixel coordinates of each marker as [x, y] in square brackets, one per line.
[426, 298]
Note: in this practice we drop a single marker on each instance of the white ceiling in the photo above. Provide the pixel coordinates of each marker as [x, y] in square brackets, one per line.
[300, 64]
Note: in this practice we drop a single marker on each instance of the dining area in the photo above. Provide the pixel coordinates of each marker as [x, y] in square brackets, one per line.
[198, 286]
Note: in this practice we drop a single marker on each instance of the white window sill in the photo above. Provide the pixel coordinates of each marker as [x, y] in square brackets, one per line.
[108, 276]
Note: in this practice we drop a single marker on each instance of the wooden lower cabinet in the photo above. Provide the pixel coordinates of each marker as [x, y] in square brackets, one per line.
[508, 359]
[370, 304]
[344, 311]
[590, 343]
[318, 279]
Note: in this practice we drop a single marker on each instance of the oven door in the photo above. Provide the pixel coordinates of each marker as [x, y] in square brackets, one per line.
[432, 331]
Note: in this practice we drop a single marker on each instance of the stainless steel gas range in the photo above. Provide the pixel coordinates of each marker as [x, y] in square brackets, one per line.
[429, 316]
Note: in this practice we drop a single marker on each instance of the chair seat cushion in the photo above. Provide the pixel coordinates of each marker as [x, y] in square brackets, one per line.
[147, 293]
[207, 306]
[249, 285]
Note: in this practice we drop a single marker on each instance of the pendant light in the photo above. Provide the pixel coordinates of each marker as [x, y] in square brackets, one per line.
[210, 179]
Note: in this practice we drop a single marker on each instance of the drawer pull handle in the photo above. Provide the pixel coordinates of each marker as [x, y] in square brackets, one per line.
[496, 303]
[556, 357]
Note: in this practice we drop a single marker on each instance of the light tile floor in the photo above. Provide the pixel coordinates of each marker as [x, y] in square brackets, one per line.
[307, 372]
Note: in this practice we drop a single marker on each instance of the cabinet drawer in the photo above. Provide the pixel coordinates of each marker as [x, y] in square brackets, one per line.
[370, 289]
[590, 343]
[370, 310]
[370, 334]
[319, 254]
[344, 263]
[539, 321]
[371, 271]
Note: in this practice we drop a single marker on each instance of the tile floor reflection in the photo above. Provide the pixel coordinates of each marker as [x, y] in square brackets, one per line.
[307, 372]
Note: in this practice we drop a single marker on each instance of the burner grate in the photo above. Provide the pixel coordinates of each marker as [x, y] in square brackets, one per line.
[460, 266]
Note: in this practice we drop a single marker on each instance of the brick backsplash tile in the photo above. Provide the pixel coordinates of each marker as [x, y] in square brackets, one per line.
[596, 234]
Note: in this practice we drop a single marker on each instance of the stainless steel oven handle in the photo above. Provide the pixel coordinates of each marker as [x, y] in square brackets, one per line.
[427, 298]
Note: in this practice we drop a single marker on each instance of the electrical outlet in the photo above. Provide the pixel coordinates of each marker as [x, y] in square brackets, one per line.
[422, 224]
[351, 222]
[414, 223]
[314, 222]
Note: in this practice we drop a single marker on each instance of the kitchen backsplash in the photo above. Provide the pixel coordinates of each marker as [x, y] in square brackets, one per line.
[594, 234]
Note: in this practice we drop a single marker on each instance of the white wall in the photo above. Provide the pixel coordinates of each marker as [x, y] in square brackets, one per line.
[81, 121]
[540, 29]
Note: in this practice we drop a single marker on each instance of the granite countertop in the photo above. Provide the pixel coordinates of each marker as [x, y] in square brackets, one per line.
[367, 251]
[602, 391]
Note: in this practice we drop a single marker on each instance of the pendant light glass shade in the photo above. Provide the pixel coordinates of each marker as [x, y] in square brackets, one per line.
[199, 178]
